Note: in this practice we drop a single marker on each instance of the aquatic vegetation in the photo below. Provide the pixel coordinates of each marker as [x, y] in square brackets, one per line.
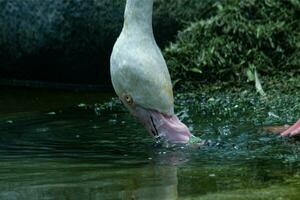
[284, 191]
[281, 105]
[243, 36]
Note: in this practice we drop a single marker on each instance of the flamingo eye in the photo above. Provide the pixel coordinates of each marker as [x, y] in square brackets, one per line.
[128, 99]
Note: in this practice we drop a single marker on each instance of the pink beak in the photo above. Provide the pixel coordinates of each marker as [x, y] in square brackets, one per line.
[164, 127]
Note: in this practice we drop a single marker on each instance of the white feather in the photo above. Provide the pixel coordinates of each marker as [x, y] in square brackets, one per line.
[138, 68]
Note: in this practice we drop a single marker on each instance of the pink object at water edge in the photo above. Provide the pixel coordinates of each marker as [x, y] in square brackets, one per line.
[293, 130]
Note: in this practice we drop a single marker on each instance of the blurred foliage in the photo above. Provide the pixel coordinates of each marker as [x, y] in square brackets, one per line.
[169, 16]
[184, 11]
[240, 37]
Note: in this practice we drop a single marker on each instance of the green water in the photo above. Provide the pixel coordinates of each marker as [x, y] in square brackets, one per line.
[59, 145]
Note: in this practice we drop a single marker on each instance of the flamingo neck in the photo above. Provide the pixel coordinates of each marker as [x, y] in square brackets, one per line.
[138, 17]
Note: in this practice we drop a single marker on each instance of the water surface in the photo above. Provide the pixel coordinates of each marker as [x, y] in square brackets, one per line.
[59, 145]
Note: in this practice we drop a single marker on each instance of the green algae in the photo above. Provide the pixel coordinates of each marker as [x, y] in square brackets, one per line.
[284, 191]
[279, 106]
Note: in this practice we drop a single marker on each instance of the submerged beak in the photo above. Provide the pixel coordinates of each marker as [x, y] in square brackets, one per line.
[163, 127]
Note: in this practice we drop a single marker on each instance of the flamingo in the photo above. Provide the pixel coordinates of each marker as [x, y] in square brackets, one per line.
[293, 130]
[141, 79]
[140, 76]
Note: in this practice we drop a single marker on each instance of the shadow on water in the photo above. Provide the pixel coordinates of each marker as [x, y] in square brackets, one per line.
[59, 145]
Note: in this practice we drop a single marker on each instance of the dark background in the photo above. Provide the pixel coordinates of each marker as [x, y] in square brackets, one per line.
[60, 41]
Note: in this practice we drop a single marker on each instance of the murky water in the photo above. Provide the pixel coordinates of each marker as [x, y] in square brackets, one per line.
[58, 145]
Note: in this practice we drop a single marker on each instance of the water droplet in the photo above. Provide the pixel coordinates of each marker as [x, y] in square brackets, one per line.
[97, 111]
[81, 105]
[113, 121]
[51, 113]
[42, 130]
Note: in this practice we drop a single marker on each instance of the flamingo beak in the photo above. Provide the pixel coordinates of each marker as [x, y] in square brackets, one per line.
[163, 127]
